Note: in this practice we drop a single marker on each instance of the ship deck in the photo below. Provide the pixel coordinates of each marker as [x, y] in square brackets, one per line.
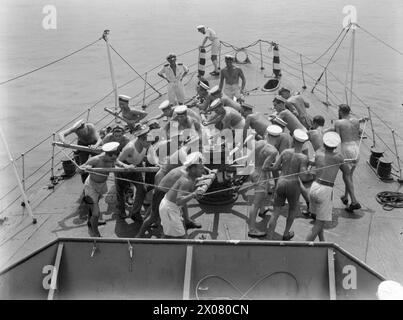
[371, 234]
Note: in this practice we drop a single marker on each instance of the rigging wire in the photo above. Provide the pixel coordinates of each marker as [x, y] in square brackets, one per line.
[50, 63]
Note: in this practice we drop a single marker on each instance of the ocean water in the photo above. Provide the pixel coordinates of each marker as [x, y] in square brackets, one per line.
[145, 31]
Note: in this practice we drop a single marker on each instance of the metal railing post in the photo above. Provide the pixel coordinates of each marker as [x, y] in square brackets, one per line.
[372, 126]
[88, 114]
[144, 89]
[397, 156]
[52, 172]
[302, 70]
[327, 91]
[219, 58]
[261, 55]
[23, 171]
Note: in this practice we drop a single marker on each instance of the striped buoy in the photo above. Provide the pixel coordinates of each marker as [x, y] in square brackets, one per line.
[202, 61]
[276, 61]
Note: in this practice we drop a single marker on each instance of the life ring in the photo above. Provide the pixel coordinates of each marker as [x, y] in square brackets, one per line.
[245, 60]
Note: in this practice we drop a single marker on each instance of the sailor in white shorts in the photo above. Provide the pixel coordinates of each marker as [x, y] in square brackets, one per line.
[215, 46]
[175, 199]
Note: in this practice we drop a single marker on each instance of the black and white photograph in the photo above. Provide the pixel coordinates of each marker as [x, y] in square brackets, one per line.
[218, 152]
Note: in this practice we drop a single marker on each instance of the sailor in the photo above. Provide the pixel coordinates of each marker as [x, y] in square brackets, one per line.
[226, 117]
[215, 93]
[117, 135]
[349, 130]
[215, 46]
[300, 105]
[131, 115]
[321, 191]
[316, 133]
[255, 121]
[292, 163]
[86, 136]
[133, 155]
[264, 155]
[182, 122]
[279, 139]
[177, 197]
[231, 75]
[165, 183]
[286, 115]
[174, 73]
[95, 185]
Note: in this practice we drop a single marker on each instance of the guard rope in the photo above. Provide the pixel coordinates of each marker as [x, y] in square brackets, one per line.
[390, 200]
[50, 63]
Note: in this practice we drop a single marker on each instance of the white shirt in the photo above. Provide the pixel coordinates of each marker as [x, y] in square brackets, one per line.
[169, 73]
[210, 34]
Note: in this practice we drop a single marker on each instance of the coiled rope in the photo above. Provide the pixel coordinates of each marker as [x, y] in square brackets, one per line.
[390, 200]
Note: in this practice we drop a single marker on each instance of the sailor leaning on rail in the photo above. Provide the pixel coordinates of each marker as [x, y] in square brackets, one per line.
[348, 128]
[95, 184]
[87, 136]
[174, 73]
[215, 46]
[299, 104]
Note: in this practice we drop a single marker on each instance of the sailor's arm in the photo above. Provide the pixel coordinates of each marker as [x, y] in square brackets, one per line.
[185, 71]
[243, 84]
[277, 165]
[123, 156]
[65, 133]
[269, 160]
[162, 74]
[183, 194]
[204, 41]
[221, 84]
[91, 163]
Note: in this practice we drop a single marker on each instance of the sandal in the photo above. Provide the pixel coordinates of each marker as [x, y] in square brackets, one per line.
[344, 199]
[263, 214]
[353, 207]
[256, 233]
[289, 236]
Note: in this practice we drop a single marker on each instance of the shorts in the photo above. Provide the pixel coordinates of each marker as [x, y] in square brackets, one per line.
[94, 190]
[259, 180]
[171, 219]
[286, 190]
[232, 90]
[215, 47]
[321, 201]
[350, 150]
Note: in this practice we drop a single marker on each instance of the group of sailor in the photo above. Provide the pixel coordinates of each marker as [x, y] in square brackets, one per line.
[291, 154]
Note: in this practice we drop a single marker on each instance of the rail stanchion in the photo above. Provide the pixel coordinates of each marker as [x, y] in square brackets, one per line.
[302, 70]
[400, 180]
[52, 171]
[144, 91]
[88, 114]
[372, 126]
[23, 170]
[24, 195]
[261, 55]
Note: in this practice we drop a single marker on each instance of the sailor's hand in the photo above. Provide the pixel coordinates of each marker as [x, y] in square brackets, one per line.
[204, 123]
[198, 194]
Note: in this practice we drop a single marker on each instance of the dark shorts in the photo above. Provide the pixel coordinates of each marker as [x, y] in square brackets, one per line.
[286, 190]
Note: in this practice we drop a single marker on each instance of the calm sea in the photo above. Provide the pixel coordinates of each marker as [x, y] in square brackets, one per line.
[144, 31]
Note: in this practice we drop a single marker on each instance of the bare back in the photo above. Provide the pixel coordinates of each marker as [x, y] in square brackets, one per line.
[171, 177]
[292, 163]
[181, 187]
[99, 162]
[348, 129]
[330, 162]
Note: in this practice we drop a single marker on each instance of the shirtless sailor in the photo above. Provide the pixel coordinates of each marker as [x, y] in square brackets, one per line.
[321, 192]
[130, 114]
[349, 130]
[182, 192]
[87, 136]
[231, 75]
[95, 185]
[300, 105]
[292, 163]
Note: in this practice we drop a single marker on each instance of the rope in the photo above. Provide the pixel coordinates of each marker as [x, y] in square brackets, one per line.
[380, 40]
[134, 70]
[50, 63]
[390, 200]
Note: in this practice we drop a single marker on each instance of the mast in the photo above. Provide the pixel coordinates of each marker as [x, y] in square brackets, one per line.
[353, 27]
[114, 86]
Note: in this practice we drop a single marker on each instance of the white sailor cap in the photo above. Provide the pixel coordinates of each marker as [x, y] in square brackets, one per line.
[214, 90]
[180, 109]
[110, 146]
[300, 135]
[122, 97]
[390, 290]
[279, 98]
[200, 27]
[229, 57]
[215, 104]
[164, 104]
[143, 129]
[274, 130]
[194, 158]
[204, 86]
[331, 139]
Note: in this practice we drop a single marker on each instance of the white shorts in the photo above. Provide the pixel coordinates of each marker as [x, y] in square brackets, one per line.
[321, 201]
[350, 150]
[232, 90]
[171, 219]
[215, 47]
[94, 190]
[176, 93]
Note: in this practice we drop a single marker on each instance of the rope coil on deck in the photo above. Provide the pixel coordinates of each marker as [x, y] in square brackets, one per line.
[390, 200]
